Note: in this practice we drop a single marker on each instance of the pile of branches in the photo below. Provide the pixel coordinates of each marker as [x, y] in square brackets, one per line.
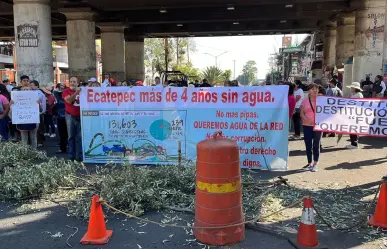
[27, 173]
[138, 190]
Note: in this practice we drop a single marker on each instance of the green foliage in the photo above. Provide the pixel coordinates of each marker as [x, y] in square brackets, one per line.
[250, 70]
[27, 173]
[212, 74]
[276, 75]
[227, 74]
[249, 73]
[178, 54]
[140, 189]
[187, 69]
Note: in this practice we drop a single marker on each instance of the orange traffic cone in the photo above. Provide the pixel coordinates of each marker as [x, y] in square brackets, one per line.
[379, 219]
[96, 233]
[307, 233]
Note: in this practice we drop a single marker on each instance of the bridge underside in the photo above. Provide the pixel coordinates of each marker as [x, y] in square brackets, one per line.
[166, 18]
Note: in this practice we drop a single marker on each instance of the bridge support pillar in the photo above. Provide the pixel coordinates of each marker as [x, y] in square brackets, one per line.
[33, 40]
[80, 27]
[345, 38]
[134, 58]
[369, 34]
[330, 44]
[385, 47]
[113, 49]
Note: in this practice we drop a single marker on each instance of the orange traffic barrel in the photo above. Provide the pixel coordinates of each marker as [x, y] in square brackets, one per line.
[218, 192]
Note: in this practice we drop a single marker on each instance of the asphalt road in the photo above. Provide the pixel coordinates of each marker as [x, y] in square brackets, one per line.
[45, 227]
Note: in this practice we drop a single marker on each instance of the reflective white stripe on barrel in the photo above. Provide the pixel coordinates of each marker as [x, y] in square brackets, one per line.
[307, 217]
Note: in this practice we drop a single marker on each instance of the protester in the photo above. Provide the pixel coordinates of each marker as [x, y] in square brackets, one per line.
[205, 83]
[355, 94]
[13, 131]
[291, 99]
[61, 118]
[25, 81]
[124, 83]
[4, 109]
[312, 138]
[34, 85]
[28, 132]
[73, 120]
[49, 115]
[157, 81]
[299, 95]
[95, 84]
[333, 90]
[367, 86]
[8, 85]
[108, 81]
[379, 87]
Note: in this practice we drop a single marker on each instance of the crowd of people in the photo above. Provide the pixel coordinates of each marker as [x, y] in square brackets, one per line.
[302, 108]
[60, 110]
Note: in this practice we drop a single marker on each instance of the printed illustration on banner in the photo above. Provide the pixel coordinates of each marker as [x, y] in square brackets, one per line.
[151, 125]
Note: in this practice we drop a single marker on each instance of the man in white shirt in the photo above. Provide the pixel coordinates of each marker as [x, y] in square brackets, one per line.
[299, 95]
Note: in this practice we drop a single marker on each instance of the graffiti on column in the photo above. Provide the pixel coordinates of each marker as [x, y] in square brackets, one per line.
[27, 35]
[376, 32]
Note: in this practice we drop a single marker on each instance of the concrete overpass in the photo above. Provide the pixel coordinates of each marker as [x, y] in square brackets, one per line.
[122, 26]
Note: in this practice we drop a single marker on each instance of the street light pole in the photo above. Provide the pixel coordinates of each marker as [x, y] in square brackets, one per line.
[234, 69]
[216, 57]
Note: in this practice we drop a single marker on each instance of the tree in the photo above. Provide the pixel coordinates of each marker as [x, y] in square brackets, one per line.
[178, 51]
[250, 70]
[227, 74]
[187, 69]
[212, 74]
[155, 55]
[273, 76]
[249, 73]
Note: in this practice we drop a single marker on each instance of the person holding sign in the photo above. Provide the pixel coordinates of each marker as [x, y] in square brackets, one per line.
[312, 138]
[356, 93]
[27, 131]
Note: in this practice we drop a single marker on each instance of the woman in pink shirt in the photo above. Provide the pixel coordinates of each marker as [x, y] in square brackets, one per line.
[291, 99]
[312, 138]
[4, 109]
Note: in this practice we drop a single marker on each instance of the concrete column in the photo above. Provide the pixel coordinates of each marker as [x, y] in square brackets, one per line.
[345, 38]
[33, 38]
[330, 44]
[81, 43]
[369, 34]
[113, 50]
[134, 58]
[347, 76]
[385, 47]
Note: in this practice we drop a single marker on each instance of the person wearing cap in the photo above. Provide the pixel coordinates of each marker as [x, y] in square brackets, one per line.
[49, 115]
[34, 84]
[356, 93]
[139, 83]
[61, 118]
